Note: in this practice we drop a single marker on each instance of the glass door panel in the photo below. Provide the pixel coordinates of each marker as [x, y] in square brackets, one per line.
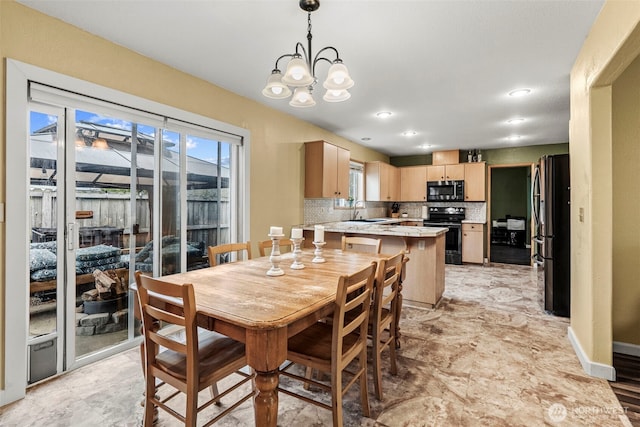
[170, 204]
[104, 224]
[46, 266]
[208, 198]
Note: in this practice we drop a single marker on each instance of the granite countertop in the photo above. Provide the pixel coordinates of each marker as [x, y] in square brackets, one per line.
[382, 227]
[473, 221]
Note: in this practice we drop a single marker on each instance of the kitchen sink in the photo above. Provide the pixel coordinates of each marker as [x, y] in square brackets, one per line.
[366, 220]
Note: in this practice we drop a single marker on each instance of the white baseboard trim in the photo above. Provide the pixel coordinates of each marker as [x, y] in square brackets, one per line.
[594, 369]
[626, 348]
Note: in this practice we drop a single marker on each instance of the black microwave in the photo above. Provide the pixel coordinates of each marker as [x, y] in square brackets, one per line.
[445, 191]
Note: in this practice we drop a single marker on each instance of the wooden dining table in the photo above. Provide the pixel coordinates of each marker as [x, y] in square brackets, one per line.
[241, 301]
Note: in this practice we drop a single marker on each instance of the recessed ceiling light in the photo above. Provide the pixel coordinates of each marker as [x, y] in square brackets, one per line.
[520, 92]
[384, 114]
[425, 146]
[366, 138]
[514, 137]
[409, 133]
[515, 121]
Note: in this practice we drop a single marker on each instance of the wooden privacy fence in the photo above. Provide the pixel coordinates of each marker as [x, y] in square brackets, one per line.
[204, 216]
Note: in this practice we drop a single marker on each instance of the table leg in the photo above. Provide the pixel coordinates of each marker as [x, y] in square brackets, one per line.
[265, 403]
[266, 351]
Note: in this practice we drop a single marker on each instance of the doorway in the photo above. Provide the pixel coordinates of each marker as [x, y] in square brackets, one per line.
[509, 236]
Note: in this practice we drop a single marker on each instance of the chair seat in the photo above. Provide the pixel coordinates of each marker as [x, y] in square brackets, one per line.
[214, 352]
[315, 343]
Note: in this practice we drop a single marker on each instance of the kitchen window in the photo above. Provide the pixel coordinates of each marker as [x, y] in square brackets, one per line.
[356, 188]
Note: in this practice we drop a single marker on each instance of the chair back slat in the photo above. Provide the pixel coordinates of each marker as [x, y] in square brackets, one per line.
[214, 251]
[361, 244]
[286, 245]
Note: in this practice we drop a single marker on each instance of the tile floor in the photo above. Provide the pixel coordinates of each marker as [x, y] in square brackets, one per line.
[487, 356]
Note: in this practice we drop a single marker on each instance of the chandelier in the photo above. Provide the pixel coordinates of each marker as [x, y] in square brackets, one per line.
[300, 74]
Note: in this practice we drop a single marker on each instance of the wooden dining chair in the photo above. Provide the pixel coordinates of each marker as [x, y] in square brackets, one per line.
[189, 362]
[286, 245]
[361, 244]
[382, 320]
[226, 249]
[332, 347]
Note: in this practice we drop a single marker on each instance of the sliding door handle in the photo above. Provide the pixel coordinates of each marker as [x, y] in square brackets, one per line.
[71, 235]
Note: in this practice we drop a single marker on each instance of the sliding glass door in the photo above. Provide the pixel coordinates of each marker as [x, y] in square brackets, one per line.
[109, 196]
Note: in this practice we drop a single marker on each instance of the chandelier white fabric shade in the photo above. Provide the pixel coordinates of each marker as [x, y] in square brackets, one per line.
[300, 74]
[275, 89]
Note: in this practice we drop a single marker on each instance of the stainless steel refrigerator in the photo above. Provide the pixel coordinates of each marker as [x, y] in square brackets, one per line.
[551, 209]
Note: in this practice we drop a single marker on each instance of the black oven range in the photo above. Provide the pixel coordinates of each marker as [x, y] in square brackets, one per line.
[450, 217]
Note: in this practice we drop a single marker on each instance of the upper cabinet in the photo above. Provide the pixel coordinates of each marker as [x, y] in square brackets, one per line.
[413, 184]
[382, 182]
[474, 182]
[449, 157]
[413, 178]
[445, 172]
[326, 170]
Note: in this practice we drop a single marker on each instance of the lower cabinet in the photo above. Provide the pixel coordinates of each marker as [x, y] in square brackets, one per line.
[472, 243]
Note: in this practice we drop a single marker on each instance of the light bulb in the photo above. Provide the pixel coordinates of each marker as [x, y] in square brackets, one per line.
[297, 73]
[276, 90]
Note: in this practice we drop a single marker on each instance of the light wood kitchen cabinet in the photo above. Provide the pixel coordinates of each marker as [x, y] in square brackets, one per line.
[382, 182]
[446, 172]
[326, 173]
[472, 243]
[474, 182]
[448, 157]
[413, 184]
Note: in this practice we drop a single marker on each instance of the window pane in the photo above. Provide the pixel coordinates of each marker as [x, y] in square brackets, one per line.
[170, 203]
[356, 187]
[208, 195]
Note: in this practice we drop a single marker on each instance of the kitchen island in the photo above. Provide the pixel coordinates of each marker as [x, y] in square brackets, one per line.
[424, 279]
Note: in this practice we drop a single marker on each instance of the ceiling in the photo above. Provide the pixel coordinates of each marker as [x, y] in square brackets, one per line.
[443, 68]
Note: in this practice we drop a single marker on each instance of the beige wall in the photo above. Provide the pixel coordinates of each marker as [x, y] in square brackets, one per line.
[626, 205]
[613, 43]
[276, 139]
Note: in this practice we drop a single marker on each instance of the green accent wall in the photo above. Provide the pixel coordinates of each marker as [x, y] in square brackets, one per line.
[422, 159]
[498, 156]
[510, 192]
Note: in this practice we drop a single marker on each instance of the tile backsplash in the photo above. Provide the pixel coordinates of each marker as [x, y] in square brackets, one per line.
[323, 210]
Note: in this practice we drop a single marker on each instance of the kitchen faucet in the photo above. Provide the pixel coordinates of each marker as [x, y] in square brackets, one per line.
[354, 215]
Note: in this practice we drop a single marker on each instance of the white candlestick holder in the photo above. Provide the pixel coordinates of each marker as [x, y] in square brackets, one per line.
[297, 253]
[275, 258]
[318, 252]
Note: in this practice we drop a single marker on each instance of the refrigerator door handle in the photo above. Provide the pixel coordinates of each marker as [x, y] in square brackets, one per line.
[535, 193]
